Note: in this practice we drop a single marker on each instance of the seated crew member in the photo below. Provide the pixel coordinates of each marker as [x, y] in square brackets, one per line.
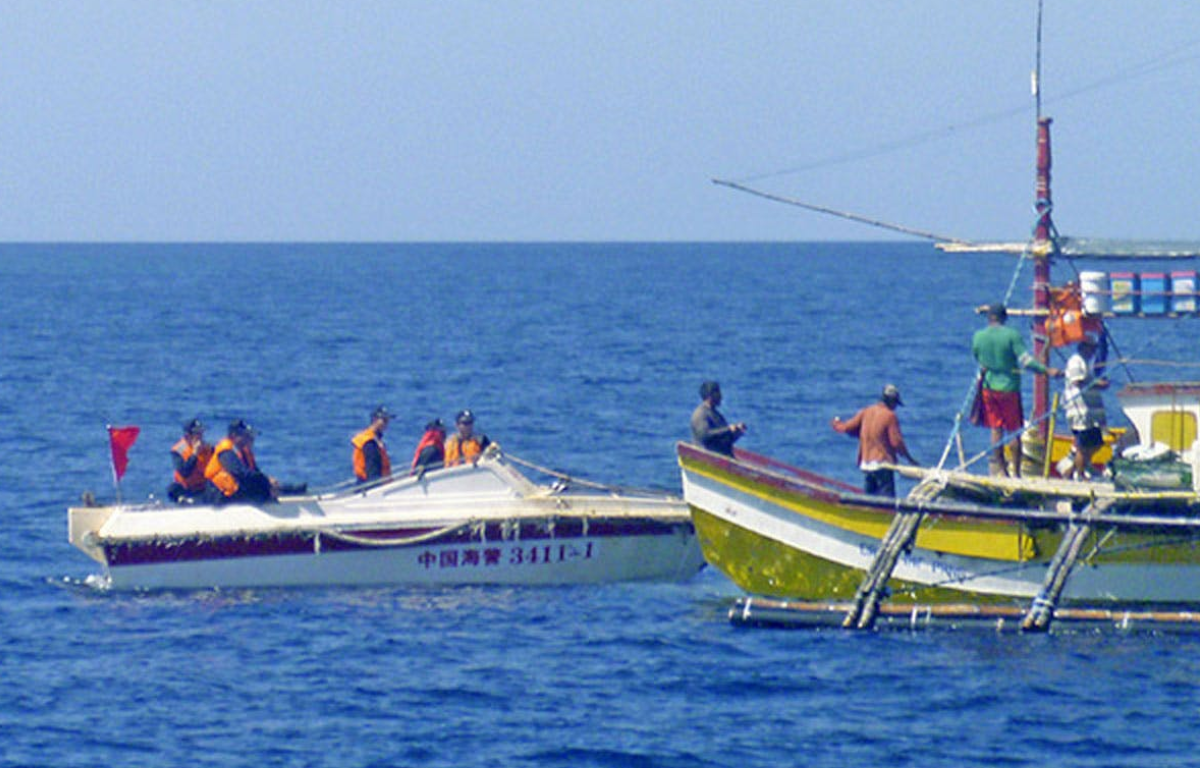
[233, 473]
[465, 445]
[371, 461]
[190, 456]
[431, 450]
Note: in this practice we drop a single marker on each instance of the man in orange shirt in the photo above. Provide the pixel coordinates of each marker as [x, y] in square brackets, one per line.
[879, 441]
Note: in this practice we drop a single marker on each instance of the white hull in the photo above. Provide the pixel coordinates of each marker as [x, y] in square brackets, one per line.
[486, 524]
[559, 561]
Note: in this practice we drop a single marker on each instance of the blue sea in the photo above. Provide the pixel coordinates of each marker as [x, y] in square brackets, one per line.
[581, 357]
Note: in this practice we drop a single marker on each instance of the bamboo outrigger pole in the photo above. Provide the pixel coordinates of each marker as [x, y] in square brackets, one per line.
[1041, 611]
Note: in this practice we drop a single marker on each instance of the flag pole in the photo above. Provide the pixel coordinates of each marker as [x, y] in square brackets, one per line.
[120, 440]
[112, 461]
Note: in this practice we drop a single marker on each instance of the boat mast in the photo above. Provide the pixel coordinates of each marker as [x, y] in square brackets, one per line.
[1043, 246]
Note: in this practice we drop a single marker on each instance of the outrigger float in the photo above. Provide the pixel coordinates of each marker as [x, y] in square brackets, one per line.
[967, 549]
[471, 524]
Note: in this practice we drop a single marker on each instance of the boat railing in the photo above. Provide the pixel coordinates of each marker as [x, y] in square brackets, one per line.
[564, 482]
[504, 464]
[404, 477]
[756, 464]
[752, 464]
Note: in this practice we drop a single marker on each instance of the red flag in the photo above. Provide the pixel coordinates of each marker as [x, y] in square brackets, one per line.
[121, 439]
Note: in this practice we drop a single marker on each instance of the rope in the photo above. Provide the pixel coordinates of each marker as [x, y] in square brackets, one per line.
[1147, 361]
[948, 583]
[400, 541]
[570, 480]
[840, 214]
[956, 428]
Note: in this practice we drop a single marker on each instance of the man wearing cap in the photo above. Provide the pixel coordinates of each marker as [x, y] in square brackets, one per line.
[1001, 355]
[233, 473]
[465, 445]
[371, 461]
[190, 456]
[710, 430]
[1084, 405]
[879, 441]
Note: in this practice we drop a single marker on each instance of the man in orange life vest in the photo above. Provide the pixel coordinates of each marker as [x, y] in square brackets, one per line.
[190, 455]
[233, 473]
[371, 461]
[431, 450]
[465, 445]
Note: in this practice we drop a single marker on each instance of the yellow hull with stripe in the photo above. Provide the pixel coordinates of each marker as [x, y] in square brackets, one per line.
[781, 532]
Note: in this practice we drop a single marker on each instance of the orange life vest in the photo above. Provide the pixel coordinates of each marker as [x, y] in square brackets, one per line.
[1067, 323]
[360, 460]
[216, 474]
[458, 450]
[431, 437]
[194, 481]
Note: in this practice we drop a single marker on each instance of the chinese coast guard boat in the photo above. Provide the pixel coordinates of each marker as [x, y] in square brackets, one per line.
[481, 524]
[964, 546]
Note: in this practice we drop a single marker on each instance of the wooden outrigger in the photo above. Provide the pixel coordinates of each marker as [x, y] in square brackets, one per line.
[800, 614]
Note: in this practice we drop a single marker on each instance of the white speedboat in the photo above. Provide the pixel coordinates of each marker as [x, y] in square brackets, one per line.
[481, 524]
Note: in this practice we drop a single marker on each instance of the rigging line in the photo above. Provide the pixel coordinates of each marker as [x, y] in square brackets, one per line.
[1022, 565]
[1164, 363]
[906, 142]
[958, 417]
[1165, 61]
[840, 214]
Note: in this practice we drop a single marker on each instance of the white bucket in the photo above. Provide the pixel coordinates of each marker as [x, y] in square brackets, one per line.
[1094, 287]
[1183, 292]
[1196, 466]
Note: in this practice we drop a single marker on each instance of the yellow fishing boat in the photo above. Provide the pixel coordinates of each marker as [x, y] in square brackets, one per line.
[1128, 538]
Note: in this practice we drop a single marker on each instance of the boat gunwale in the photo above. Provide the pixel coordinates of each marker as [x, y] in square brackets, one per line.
[816, 486]
[413, 527]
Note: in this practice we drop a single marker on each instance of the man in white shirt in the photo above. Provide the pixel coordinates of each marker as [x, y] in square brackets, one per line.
[1084, 405]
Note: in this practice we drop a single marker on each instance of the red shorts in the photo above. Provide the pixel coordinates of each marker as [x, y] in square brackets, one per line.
[1002, 410]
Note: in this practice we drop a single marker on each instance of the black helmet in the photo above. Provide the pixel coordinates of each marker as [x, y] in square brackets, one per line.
[240, 427]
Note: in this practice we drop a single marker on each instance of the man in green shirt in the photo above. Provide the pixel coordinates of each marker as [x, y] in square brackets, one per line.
[1001, 354]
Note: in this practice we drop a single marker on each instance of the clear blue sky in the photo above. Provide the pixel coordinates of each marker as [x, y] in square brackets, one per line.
[604, 120]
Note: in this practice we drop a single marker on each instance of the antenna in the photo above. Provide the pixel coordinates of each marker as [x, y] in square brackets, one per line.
[1037, 71]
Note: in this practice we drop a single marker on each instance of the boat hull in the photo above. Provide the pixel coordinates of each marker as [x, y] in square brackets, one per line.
[468, 525]
[781, 532]
[645, 550]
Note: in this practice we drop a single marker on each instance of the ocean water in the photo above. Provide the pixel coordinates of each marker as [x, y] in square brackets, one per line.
[581, 357]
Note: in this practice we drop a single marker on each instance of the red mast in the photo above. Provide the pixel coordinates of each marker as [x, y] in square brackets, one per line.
[1042, 250]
